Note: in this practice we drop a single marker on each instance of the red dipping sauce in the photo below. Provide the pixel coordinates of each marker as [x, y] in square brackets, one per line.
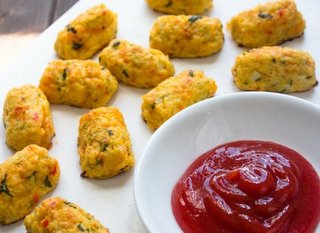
[248, 187]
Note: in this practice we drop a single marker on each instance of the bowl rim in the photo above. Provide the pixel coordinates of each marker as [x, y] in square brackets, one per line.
[261, 96]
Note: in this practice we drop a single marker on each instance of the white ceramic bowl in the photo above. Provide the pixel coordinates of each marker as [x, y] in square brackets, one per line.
[280, 118]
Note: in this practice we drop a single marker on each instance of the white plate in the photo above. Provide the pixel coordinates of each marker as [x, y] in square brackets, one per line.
[241, 116]
[111, 200]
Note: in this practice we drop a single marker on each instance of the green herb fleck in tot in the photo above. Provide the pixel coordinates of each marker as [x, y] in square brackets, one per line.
[191, 73]
[32, 174]
[194, 18]
[125, 73]
[80, 227]
[70, 204]
[76, 46]
[4, 187]
[265, 15]
[64, 74]
[71, 29]
[47, 182]
[110, 133]
[116, 44]
[104, 146]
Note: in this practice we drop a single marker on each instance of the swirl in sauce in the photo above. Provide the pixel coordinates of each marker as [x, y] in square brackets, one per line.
[248, 187]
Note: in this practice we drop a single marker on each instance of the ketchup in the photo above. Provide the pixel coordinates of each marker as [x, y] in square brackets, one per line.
[248, 187]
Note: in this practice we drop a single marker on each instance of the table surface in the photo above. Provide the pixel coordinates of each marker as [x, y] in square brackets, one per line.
[22, 21]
